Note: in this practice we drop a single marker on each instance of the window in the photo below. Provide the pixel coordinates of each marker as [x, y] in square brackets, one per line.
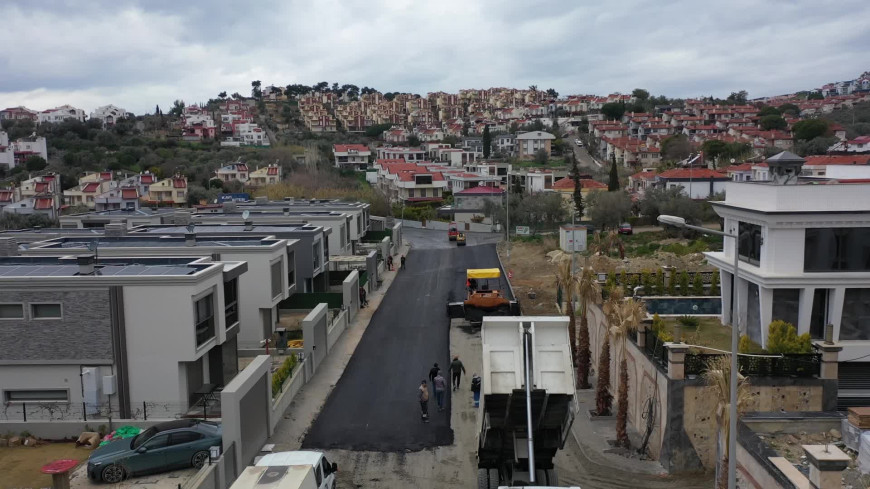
[159, 441]
[855, 323]
[819, 315]
[749, 239]
[41, 395]
[291, 269]
[410, 193]
[204, 317]
[316, 256]
[786, 304]
[180, 437]
[837, 249]
[45, 311]
[231, 299]
[276, 278]
[11, 311]
[318, 474]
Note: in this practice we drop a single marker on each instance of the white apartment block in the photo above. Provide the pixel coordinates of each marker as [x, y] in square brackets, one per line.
[62, 113]
[109, 114]
[354, 156]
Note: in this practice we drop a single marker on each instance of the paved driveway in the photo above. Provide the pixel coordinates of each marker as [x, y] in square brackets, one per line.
[374, 405]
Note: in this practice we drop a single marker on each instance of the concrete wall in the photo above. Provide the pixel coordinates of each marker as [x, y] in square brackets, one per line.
[350, 294]
[372, 268]
[397, 238]
[336, 329]
[246, 410]
[290, 389]
[218, 474]
[314, 334]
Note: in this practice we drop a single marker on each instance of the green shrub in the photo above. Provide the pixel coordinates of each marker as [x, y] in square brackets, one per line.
[689, 321]
[672, 283]
[660, 282]
[660, 329]
[698, 284]
[714, 284]
[746, 345]
[646, 281]
[684, 283]
[284, 372]
[782, 337]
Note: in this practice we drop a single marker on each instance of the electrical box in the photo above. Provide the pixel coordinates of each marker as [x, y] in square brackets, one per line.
[91, 389]
[109, 387]
[572, 238]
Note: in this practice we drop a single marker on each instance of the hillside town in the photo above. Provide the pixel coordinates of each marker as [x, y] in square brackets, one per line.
[636, 260]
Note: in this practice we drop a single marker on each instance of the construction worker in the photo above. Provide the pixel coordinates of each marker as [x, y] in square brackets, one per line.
[475, 389]
[403, 261]
[423, 397]
[456, 371]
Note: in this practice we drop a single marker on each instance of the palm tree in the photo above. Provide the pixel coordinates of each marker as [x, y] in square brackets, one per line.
[588, 291]
[603, 397]
[568, 282]
[718, 378]
[624, 319]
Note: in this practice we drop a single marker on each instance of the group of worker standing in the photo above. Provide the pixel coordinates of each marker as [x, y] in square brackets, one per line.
[439, 386]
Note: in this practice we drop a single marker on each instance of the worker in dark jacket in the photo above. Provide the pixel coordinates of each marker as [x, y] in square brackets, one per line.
[433, 372]
[456, 371]
[475, 389]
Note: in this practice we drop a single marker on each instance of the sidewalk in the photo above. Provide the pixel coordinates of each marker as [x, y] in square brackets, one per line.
[594, 439]
[301, 413]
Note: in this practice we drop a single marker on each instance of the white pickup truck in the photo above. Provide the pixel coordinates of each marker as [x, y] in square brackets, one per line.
[289, 470]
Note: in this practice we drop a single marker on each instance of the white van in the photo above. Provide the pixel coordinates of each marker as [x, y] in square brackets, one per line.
[324, 472]
[286, 477]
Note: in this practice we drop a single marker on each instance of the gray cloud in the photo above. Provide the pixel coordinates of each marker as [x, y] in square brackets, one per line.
[141, 53]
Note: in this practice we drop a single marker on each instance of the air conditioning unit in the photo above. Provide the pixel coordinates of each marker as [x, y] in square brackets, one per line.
[109, 385]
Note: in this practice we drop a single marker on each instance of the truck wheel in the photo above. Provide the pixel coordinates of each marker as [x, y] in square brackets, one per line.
[552, 477]
[482, 479]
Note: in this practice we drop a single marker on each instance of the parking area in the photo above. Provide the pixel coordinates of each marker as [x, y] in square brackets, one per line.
[166, 480]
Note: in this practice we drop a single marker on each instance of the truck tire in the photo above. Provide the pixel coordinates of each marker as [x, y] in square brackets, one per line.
[552, 477]
[482, 479]
[546, 477]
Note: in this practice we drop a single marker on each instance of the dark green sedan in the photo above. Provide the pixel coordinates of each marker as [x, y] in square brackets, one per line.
[162, 447]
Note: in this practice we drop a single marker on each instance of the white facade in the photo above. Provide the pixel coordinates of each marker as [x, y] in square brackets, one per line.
[697, 189]
[804, 259]
[109, 114]
[62, 113]
[252, 135]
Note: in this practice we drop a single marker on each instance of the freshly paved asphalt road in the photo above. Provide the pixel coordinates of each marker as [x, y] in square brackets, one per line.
[374, 405]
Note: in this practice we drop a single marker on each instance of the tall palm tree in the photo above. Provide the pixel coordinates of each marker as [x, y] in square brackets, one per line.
[588, 291]
[603, 397]
[568, 282]
[718, 378]
[625, 318]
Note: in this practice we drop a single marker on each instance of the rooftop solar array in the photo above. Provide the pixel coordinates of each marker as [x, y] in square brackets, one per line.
[36, 270]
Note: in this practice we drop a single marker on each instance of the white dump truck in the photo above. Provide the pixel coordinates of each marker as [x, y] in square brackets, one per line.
[527, 400]
[300, 469]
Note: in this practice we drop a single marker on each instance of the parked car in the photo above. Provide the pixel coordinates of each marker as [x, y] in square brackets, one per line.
[160, 448]
[625, 228]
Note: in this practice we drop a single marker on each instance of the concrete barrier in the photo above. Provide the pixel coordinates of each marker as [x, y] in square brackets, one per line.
[246, 405]
[336, 329]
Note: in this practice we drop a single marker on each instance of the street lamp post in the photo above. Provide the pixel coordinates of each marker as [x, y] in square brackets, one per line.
[735, 336]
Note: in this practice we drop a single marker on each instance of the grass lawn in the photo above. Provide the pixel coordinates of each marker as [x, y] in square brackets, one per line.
[19, 466]
[709, 333]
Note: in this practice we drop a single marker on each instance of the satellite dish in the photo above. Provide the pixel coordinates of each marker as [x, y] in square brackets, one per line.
[733, 161]
[246, 214]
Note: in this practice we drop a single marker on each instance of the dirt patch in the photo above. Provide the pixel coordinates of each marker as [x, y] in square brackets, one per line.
[788, 445]
[533, 275]
[19, 466]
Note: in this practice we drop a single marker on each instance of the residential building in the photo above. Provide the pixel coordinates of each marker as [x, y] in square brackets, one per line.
[537, 179]
[351, 156]
[37, 195]
[121, 332]
[60, 114]
[91, 184]
[109, 114]
[565, 187]
[803, 258]
[18, 113]
[506, 144]
[252, 135]
[267, 175]
[169, 191]
[410, 155]
[126, 218]
[198, 125]
[410, 182]
[14, 153]
[311, 256]
[234, 172]
[697, 183]
[469, 205]
[642, 180]
[270, 278]
[359, 211]
[529, 143]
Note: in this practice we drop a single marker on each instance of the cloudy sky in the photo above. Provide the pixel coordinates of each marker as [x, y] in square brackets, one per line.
[137, 54]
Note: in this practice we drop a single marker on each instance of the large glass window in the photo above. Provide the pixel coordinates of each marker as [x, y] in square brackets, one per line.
[749, 248]
[819, 316]
[837, 249]
[855, 324]
[204, 311]
[276, 278]
[786, 305]
[231, 299]
[291, 269]
[38, 395]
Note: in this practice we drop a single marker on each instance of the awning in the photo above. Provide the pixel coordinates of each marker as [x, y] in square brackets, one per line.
[483, 273]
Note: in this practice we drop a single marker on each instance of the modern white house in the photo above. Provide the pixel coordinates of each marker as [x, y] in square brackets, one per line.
[109, 114]
[62, 113]
[352, 156]
[115, 336]
[804, 257]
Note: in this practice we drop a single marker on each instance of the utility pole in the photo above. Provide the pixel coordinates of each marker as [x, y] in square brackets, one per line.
[508, 216]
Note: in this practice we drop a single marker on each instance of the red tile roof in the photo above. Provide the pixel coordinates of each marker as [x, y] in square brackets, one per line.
[343, 148]
[481, 191]
[90, 187]
[686, 173]
[838, 160]
[272, 170]
[567, 183]
[129, 194]
[644, 175]
[6, 196]
[41, 187]
[106, 175]
[179, 183]
[43, 203]
[147, 178]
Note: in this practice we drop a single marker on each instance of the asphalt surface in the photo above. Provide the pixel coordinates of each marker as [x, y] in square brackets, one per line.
[374, 405]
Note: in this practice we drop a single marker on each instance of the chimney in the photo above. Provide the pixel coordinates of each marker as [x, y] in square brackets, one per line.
[286, 211]
[249, 225]
[86, 264]
[189, 239]
[785, 168]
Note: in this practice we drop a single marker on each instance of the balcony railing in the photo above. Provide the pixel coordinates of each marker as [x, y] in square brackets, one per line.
[786, 365]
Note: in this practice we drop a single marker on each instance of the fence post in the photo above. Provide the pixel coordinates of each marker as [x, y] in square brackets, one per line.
[24, 410]
[830, 357]
[641, 333]
[145, 410]
[676, 360]
[84, 411]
